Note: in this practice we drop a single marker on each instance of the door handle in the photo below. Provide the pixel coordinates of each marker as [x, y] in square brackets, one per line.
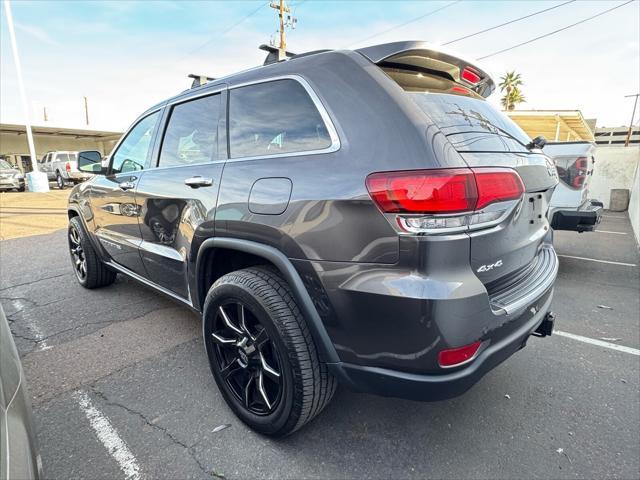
[127, 185]
[197, 182]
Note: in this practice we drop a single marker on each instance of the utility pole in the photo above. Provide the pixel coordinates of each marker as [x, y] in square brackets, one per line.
[635, 104]
[86, 111]
[282, 9]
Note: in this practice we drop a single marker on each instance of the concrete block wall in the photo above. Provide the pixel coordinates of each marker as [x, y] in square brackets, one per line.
[615, 167]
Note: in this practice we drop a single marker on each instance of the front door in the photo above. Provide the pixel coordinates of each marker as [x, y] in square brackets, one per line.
[113, 203]
[178, 195]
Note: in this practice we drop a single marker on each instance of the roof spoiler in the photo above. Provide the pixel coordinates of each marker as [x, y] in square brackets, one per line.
[272, 56]
[429, 58]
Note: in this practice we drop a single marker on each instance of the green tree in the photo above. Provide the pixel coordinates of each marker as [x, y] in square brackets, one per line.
[509, 101]
[510, 84]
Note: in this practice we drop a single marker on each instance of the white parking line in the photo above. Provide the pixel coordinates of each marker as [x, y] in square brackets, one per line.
[109, 437]
[599, 343]
[607, 231]
[600, 261]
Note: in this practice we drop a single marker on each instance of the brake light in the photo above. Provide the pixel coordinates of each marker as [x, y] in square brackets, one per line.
[470, 75]
[443, 191]
[461, 90]
[581, 163]
[67, 167]
[457, 356]
[418, 191]
[497, 185]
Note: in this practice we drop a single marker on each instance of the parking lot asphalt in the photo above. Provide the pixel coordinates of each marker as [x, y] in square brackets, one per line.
[121, 386]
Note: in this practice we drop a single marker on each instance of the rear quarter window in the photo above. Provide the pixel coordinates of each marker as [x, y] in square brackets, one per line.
[274, 118]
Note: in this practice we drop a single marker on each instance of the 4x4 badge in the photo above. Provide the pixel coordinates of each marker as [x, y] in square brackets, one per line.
[490, 266]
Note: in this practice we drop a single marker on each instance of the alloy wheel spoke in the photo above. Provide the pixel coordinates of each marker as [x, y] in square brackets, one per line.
[247, 391]
[223, 341]
[231, 369]
[243, 323]
[268, 370]
[262, 391]
[261, 339]
[228, 322]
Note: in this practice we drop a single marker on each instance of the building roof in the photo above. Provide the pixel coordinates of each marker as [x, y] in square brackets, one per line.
[555, 125]
[60, 132]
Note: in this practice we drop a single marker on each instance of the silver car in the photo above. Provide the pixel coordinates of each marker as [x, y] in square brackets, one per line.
[10, 177]
[18, 453]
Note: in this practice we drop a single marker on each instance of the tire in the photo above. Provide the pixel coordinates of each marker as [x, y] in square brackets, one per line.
[304, 385]
[89, 269]
[60, 181]
[22, 188]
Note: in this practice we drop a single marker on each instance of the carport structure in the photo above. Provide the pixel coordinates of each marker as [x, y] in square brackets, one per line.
[554, 125]
[13, 141]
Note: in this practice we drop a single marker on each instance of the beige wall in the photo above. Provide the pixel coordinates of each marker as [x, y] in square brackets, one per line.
[634, 205]
[12, 143]
[615, 168]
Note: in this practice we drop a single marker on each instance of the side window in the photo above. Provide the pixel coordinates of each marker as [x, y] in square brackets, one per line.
[134, 149]
[191, 135]
[272, 118]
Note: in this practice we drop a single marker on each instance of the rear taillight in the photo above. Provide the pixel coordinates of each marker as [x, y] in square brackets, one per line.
[67, 167]
[420, 191]
[444, 200]
[575, 175]
[454, 357]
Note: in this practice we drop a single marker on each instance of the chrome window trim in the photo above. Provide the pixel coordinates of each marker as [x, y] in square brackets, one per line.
[328, 123]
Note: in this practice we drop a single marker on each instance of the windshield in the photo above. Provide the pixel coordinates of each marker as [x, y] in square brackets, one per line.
[5, 165]
[470, 123]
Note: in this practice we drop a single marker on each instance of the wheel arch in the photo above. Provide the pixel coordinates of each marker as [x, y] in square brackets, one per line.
[277, 259]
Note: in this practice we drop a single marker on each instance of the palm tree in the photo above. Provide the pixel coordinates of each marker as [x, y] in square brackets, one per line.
[509, 101]
[510, 83]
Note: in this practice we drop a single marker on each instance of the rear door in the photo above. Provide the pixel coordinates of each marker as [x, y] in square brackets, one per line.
[178, 194]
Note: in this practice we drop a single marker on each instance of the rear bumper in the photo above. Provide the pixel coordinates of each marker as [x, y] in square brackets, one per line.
[78, 176]
[392, 383]
[583, 219]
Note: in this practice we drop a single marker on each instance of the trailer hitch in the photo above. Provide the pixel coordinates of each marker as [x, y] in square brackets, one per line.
[545, 329]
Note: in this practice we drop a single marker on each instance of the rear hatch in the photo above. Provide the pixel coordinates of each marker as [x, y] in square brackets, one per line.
[451, 92]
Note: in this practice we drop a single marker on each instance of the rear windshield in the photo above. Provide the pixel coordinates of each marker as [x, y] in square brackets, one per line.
[470, 123]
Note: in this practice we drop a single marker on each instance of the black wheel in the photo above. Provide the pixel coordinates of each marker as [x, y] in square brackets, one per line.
[261, 352]
[89, 270]
[21, 189]
[60, 181]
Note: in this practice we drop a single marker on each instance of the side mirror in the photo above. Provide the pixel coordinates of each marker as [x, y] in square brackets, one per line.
[538, 142]
[90, 162]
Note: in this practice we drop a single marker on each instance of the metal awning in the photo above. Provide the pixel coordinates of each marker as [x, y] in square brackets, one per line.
[555, 125]
[7, 128]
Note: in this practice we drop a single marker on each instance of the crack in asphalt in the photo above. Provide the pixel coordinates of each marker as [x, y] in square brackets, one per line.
[31, 282]
[164, 431]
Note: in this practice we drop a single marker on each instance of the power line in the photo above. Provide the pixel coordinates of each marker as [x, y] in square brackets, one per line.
[507, 23]
[555, 31]
[405, 23]
[225, 31]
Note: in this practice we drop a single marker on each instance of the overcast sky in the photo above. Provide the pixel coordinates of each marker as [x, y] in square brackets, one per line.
[127, 56]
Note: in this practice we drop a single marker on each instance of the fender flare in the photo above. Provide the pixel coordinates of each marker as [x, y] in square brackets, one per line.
[326, 349]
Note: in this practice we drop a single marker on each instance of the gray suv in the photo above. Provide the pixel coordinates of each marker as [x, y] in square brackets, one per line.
[358, 217]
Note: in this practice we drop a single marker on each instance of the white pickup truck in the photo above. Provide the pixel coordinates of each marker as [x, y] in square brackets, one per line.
[570, 207]
[62, 167]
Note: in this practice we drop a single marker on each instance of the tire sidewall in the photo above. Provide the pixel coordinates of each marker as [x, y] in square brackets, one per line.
[60, 181]
[75, 223]
[277, 420]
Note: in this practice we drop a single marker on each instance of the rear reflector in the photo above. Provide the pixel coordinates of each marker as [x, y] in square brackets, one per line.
[470, 75]
[443, 191]
[457, 356]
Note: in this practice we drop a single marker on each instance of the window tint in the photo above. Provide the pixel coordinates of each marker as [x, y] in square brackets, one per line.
[192, 133]
[133, 151]
[273, 118]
